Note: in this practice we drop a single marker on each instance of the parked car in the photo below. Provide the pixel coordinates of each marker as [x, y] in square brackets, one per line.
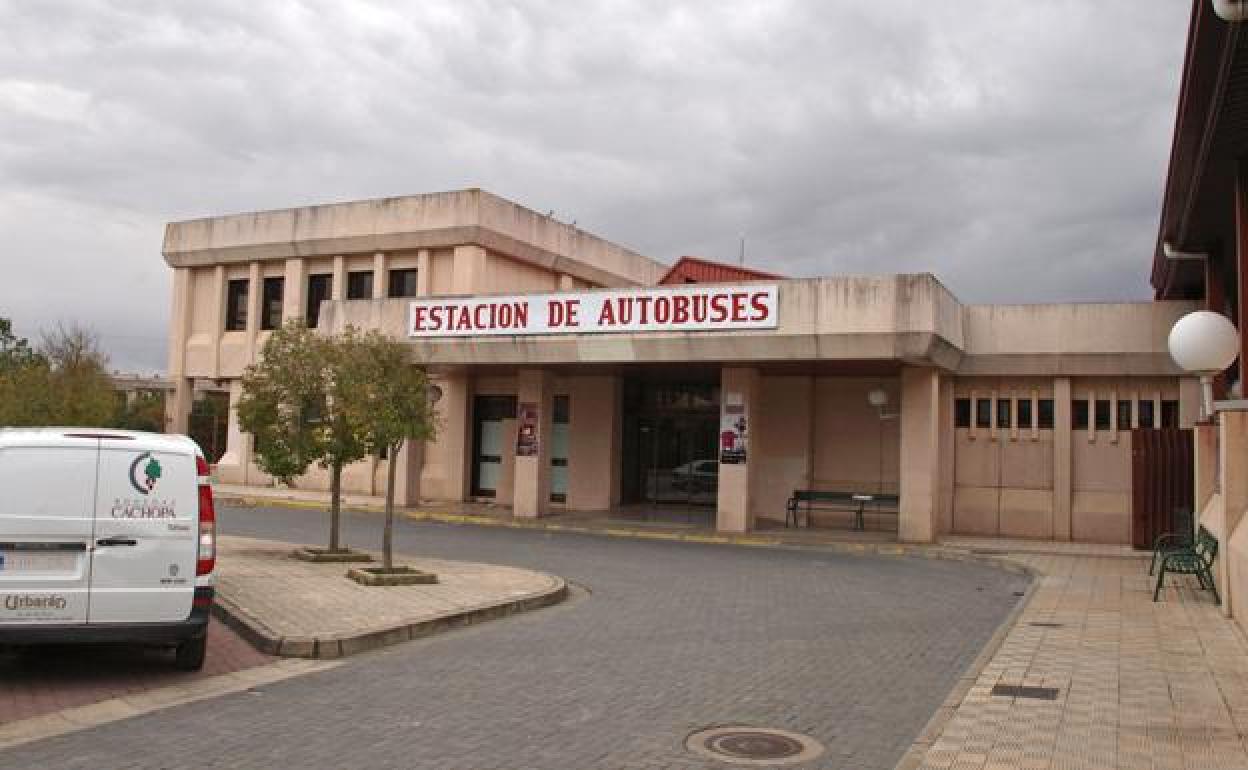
[105, 536]
[696, 476]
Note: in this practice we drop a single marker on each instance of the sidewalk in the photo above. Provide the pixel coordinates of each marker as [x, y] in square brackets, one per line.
[1139, 685]
[299, 609]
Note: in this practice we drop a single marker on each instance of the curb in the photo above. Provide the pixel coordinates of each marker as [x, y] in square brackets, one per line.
[935, 726]
[270, 642]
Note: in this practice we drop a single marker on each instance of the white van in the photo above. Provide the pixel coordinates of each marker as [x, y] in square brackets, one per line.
[105, 536]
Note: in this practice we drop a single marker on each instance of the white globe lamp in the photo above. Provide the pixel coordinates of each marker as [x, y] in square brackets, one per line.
[1204, 343]
[877, 397]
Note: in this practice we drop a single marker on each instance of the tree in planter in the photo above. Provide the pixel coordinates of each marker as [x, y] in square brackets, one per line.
[294, 406]
[389, 403]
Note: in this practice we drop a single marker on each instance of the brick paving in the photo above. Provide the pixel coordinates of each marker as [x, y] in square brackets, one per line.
[663, 638]
[1140, 685]
[299, 603]
[44, 680]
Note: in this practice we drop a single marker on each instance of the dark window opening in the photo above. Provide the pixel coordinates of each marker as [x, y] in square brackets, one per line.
[1004, 412]
[1103, 414]
[1146, 414]
[1124, 415]
[1024, 413]
[962, 413]
[1046, 414]
[320, 288]
[271, 310]
[360, 284]
[403, 283]
[983, 413]
[236, 305]
[1169, 414]
[1079, 415]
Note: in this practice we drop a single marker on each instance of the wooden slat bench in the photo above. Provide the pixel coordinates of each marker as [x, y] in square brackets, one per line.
[805, 500]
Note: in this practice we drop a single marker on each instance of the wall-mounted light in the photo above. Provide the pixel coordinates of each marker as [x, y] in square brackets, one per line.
[1231, 10]
[1204, 343]
[878, 398]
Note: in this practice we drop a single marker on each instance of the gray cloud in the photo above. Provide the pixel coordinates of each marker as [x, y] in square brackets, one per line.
[1017, 150]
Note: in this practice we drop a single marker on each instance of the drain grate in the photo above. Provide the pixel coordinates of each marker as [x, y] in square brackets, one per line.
[1046, 624]
[989, 552]
[1020, 691]
[764, 747]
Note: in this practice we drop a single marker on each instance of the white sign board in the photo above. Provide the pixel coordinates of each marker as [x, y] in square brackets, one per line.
[675, 309]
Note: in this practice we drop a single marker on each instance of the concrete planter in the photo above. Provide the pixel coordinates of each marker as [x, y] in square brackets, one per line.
[307, 553]
[395, 576]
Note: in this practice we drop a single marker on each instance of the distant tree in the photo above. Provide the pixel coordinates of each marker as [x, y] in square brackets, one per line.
[23, 380]
[294, 403]
[15, 352]
[80, 390]
[145, 412]
[388, 404]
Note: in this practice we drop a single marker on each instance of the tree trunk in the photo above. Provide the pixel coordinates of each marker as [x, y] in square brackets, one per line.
[387, 539]
[335, 504]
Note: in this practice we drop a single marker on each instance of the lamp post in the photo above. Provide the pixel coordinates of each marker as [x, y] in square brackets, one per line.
[1204, 343]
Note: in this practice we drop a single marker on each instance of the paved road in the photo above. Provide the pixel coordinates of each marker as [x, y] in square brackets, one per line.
[671, 637]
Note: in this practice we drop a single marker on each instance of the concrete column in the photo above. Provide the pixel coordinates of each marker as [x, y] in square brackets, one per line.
[407, 474]
[1205, 460]
[445, 473]
[233, 466]
[178, 406]
[531, 488]
[380, 278]
[920, 454]
[738, 395]
[217, 319]
[423, 273]
[1189, 401]
[593, 443]
[294, 289]
[178, 403]
[1233, 470]
[338, 286]
[1062, 483]
[255, 290]
[468, 270]
[946, 455]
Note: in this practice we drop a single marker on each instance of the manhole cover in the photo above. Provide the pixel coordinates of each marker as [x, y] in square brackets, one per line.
[758, 746]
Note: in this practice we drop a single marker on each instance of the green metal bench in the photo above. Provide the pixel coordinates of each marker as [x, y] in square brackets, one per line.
[803, 500]
[1178, 540]
[1195, 560]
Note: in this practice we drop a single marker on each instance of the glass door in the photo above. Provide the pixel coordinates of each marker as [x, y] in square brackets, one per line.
[488, 441]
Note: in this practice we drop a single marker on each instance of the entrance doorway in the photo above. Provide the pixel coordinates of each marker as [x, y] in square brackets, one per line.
[488, 441]
[670, 451]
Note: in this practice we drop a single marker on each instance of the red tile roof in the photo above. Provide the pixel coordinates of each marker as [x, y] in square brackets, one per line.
[698, 270]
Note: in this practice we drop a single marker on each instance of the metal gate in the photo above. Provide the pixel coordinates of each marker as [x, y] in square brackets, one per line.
[1162, 473]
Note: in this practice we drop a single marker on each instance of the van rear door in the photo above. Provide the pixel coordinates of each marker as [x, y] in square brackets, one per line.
[47, 502]
[146, 531]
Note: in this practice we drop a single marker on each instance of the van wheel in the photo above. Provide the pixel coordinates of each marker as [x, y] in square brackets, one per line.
[189, 655]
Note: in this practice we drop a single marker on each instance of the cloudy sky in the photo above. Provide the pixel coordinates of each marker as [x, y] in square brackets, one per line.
[1017, 150]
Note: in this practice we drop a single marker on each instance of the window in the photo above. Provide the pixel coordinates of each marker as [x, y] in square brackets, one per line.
[271, 309]
[403, 283]
[1046, 414]
[1024, 413]
[1124, 415]
[1079, 415]
[1004, 412]
[236, 305]
[1102, 414]
[320, 288]
[360, 284]
[983, 413]
[962, 413]
[1146, 414]
[1169, 414]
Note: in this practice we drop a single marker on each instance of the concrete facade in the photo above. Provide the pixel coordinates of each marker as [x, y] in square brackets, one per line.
[801, 386]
